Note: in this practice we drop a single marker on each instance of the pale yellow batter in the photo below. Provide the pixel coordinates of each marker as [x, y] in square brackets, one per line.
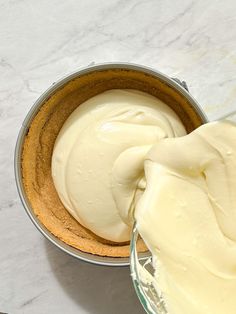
[187, 216]
[97, 162]
[124, 153]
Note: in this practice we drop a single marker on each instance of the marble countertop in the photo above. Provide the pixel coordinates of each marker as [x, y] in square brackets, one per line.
[41, 41]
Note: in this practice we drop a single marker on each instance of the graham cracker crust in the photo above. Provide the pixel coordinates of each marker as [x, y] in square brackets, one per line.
[41, 136]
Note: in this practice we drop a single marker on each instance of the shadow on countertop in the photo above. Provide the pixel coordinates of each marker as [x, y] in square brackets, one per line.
[98, 289]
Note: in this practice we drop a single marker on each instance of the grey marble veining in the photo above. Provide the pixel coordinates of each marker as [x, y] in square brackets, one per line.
[40, 41]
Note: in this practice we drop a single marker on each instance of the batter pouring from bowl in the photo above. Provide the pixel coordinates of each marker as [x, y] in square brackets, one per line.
[113, 162]
[187, 217]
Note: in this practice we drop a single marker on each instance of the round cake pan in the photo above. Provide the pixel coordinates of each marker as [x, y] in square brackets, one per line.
[174, 84]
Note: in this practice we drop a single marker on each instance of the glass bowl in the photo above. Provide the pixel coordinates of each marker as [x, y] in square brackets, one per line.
[142, 273]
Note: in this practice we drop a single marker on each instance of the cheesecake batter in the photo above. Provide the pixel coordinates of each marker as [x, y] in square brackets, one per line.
[124, 154]
[98, 158]
[187, 217]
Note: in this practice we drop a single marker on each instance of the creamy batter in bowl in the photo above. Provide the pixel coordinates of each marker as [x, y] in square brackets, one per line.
[188, 223]
[39, 132]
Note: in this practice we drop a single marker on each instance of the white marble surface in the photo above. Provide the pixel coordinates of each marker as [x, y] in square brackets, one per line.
[40, 41]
